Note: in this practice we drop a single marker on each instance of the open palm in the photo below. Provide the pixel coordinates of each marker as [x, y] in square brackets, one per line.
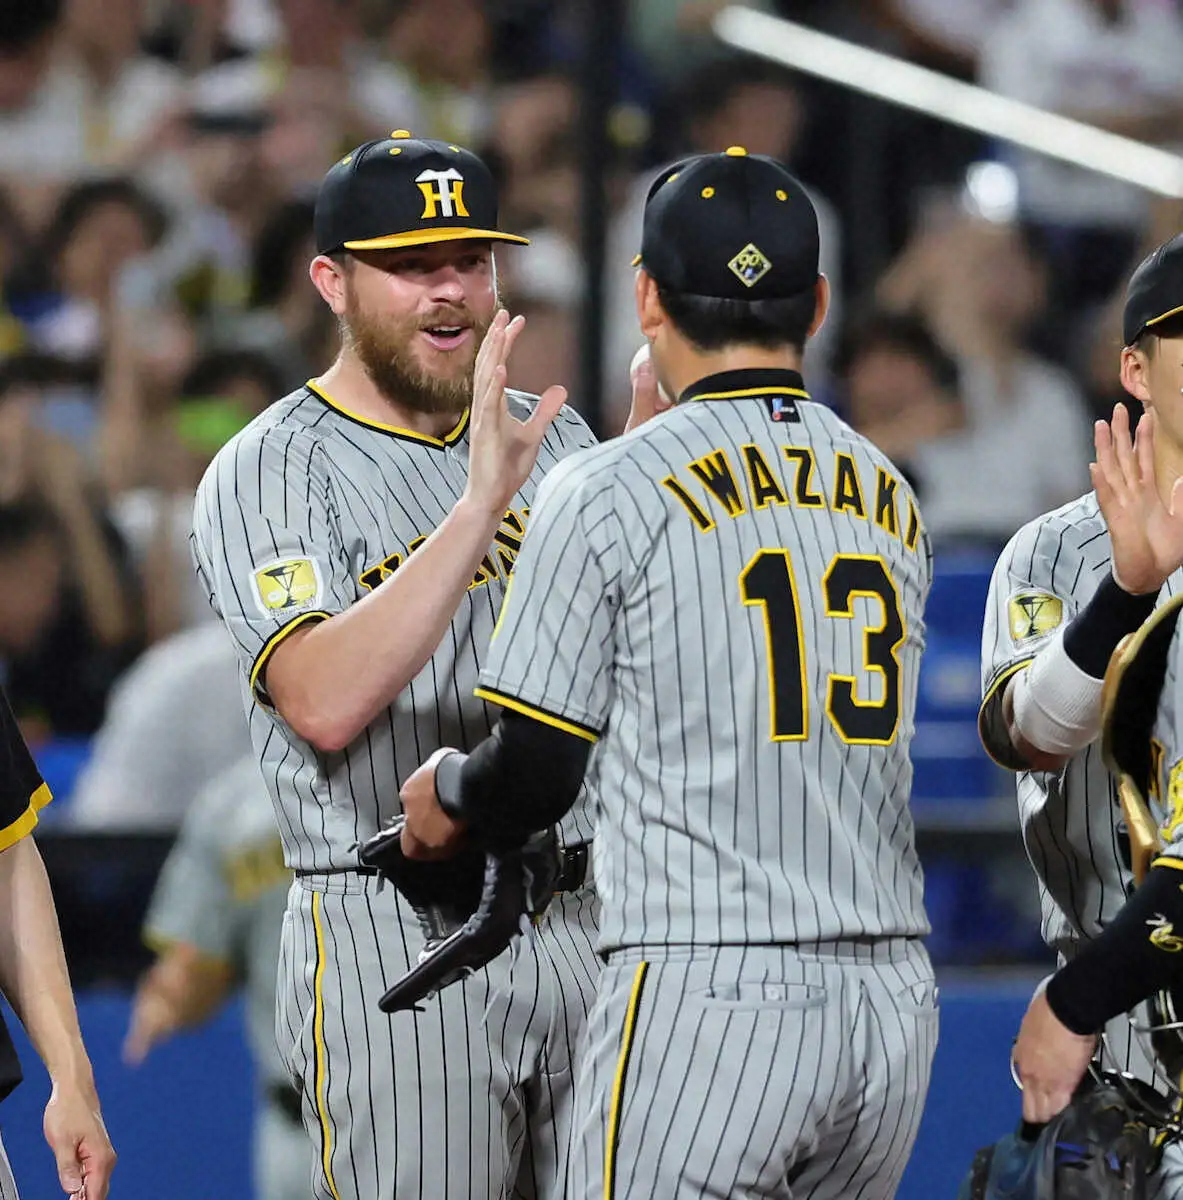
[1146, 533]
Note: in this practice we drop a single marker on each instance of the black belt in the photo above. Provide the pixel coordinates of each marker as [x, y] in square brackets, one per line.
[288, 1099]
[572, 872]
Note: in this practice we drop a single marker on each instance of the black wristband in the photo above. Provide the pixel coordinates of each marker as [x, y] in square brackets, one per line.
[1128, 963]
[447, 784]
[1092, 635]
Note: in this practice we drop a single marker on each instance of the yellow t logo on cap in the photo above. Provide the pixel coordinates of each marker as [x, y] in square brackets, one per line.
[443, 194]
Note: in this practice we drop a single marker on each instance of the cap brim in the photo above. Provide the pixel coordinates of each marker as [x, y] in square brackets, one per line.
[426, 237]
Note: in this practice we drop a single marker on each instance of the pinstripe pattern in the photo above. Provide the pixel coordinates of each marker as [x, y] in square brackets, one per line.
[7, 1182]
[497, 1048]
[455, 1101]
[305, 482]
[758, 1071]
[1071, 821]
[653, 645]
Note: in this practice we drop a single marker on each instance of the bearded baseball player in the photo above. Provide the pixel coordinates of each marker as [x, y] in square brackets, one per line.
[728, 604]
[1066, 590]
[357, 540]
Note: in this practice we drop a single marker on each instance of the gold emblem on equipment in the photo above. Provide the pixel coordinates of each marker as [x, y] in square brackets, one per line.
[750, 265]
[287, 586]
[1032, 615]
[1163, 935]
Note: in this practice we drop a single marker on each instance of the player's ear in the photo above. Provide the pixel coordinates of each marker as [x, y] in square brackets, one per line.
[1135, 368]
[328, 277]
[821, 291]
[650, 313]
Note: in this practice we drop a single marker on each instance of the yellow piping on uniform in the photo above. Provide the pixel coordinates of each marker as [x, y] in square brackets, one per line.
[764, 391]
[448, 439]
[12, 833]
[274, 640]
[626, 1046]
[528, 710]
[1177, 863]
[998, 683]
[318, 1038]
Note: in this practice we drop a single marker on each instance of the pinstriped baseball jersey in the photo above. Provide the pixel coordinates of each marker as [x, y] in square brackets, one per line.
[730, 602]
[297, 518]
[1071, 820]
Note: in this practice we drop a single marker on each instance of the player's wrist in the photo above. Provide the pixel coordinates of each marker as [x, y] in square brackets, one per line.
[1137, 586]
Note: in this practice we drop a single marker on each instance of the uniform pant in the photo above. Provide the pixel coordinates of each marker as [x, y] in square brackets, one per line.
[7, 1182]
[282, 1155]
[468, 1099]
[754, 1072]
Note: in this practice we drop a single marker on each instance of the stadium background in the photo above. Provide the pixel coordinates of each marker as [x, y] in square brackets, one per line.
[157, 161]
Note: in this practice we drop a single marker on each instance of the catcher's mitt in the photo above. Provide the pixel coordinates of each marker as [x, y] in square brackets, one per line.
[469, 906]
[1129, 704]
[1094, 1150]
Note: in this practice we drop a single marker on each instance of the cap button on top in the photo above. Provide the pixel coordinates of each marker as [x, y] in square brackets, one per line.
[736, 151]
[406, 133]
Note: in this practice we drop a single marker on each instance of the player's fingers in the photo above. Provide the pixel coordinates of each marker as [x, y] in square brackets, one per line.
[488, 356]
[1144, 449]
[1176, 506]
[545, 411]
[1106, 465]
[512, 332]
[1123, 447]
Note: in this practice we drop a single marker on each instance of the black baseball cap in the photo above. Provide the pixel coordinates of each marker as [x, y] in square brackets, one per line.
[406, 191]
[1155, 290]
[730, 226]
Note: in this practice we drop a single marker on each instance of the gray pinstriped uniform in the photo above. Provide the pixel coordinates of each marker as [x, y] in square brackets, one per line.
[729, 601]
[224, 889]
[1071, 820]
[299, 517]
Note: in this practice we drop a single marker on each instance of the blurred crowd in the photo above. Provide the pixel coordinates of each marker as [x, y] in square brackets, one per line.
[158, 163]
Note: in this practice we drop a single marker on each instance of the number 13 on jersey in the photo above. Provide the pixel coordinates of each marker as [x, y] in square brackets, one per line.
[768, 581]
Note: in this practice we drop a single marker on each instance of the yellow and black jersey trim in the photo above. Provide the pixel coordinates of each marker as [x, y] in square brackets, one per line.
[15, 830]
[411, 435]
[555, 720]
[269, 648]
[992, 728]
[1166, 860]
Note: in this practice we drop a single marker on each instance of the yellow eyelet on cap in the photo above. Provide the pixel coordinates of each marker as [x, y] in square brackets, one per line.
[707, 192]
[781, 194]
[400, 133]
[395, 150]
[736, 151]
[454, 149]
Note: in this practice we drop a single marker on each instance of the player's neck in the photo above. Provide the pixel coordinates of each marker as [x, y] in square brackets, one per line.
[349, 384]
[689, 366]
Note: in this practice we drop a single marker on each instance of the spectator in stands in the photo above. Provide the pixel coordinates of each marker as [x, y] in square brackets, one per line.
[174, 721]
[1112, 63]
[981, 287]
[98, 228]
[73, 621]
[221, 393]
[900, 389]
[85, 99]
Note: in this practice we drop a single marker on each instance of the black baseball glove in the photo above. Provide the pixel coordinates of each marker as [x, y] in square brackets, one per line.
[470, 906]
[1096, 1149]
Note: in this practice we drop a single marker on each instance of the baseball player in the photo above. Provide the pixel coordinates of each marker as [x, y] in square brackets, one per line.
[728, 604]
[358, 539]
[1066, 589]
[35, 982]
[215, 918]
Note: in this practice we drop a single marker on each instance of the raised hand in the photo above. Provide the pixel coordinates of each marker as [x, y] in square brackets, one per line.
[502, 449]
[1146, 533]
[649, 397]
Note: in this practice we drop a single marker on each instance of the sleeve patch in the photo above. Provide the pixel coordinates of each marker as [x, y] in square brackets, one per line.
[287, 586]
[1032, 615]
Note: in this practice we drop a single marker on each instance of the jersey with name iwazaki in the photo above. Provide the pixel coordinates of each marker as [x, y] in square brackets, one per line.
[729, 601]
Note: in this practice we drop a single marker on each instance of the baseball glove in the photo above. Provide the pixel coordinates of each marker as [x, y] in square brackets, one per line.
[1094, 1150]
[469, 906]
[1129, 705]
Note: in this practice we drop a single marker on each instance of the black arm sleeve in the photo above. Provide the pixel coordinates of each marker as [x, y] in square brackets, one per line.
[19, 778]
[1136, 956]
[1092, 635]
[522, 778]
